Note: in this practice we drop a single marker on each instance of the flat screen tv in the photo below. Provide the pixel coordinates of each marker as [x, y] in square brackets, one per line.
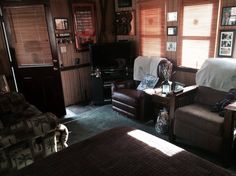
[116, 55]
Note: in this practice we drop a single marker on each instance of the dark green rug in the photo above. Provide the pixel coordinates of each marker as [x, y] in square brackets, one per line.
[100, 119]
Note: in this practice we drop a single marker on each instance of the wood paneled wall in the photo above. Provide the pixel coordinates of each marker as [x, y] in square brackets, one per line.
[76, 85]
[183, 75]
[76, 82]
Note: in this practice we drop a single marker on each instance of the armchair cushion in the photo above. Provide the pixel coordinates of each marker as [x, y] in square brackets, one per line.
[199, 116]
[208, 96]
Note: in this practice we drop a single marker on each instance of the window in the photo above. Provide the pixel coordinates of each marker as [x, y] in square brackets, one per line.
[84, 25]
[152, 22]
[30, 35]
[198, 32]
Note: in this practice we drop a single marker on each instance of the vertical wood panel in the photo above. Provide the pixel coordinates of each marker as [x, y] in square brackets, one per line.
[76, 85]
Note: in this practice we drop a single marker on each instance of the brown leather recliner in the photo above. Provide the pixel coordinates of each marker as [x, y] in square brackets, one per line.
[134, 103]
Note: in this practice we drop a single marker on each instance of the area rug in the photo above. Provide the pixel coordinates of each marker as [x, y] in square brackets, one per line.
[100, 119]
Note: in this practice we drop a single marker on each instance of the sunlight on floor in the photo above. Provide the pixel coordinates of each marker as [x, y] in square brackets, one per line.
[69, 113]
[153, 141]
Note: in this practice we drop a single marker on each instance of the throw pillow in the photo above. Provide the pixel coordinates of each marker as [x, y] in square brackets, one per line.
[148, 82]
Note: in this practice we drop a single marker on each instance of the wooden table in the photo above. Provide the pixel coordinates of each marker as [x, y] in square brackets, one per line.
[168, 101]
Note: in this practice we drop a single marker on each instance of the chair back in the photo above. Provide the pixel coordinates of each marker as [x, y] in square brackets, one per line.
[217, 73]
[156, 66]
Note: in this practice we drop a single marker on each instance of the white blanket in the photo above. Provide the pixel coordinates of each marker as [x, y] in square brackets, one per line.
[144, 65]
[217, 73]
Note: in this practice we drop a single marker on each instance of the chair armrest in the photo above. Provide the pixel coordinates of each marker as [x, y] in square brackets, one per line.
[184, 98]
[229, 125]
[177, 100]
[129, 84]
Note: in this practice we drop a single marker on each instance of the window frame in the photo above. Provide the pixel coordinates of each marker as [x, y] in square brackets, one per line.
[212, 38]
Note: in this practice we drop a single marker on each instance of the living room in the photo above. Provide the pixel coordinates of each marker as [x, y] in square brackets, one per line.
[59, 55]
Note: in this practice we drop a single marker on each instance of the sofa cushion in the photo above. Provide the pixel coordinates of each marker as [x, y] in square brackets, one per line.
[200, 116]
[12, 102]
[209, 96]
[128, 96]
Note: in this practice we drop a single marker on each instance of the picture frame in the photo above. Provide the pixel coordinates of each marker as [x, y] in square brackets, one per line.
[228, 17]
[125, 22]
[171, 46]
[124, 3]
[61, 23]
[226, 43]
[172, 16]
[172, 30]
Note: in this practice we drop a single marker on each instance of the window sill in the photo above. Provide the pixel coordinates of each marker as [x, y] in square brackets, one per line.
[186, 69]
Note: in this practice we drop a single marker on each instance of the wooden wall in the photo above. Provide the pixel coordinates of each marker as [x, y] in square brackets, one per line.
[186, 76]
[76, 79]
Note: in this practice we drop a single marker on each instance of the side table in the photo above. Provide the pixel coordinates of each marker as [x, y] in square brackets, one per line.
[168, 101]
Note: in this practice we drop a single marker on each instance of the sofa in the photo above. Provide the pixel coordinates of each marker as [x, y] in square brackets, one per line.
[26, 134]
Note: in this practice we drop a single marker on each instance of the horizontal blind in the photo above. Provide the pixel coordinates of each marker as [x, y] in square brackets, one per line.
[198, 31]
[30, 34]
[151, 26]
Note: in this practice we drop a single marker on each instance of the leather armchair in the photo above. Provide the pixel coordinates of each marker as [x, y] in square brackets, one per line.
[133, 103]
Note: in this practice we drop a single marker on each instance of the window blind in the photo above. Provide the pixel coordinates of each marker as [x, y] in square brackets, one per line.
[151, 26]
[30, 34]
[198, 31]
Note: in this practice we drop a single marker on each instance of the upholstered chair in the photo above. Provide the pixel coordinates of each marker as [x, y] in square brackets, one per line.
[133, 103]
[200, 116]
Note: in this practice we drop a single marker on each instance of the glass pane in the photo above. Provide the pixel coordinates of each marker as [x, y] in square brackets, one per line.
[195, 52]
[197, 20]
[30, 35]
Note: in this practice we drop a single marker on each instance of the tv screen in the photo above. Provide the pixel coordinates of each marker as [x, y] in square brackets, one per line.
[117, 55]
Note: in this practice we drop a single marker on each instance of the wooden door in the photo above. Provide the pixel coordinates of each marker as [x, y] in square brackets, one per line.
[33, 50]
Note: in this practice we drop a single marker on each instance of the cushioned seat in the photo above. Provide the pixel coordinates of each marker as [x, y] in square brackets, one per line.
[199, 116]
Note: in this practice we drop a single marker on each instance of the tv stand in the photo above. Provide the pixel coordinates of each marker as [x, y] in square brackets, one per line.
[102, 80]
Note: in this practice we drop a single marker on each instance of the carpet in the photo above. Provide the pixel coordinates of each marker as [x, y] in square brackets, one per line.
[99, 119]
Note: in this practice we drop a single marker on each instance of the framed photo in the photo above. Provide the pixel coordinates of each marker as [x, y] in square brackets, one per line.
[124, 3]
[61, 23]
[172, 16]
[125, 23]
[228, 16]
[226, 43]
[171, 46]
[172, 30]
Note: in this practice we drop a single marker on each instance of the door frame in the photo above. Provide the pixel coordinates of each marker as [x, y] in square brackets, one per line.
[51, 36]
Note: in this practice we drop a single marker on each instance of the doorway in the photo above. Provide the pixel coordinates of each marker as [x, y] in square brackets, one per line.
[34, 55]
